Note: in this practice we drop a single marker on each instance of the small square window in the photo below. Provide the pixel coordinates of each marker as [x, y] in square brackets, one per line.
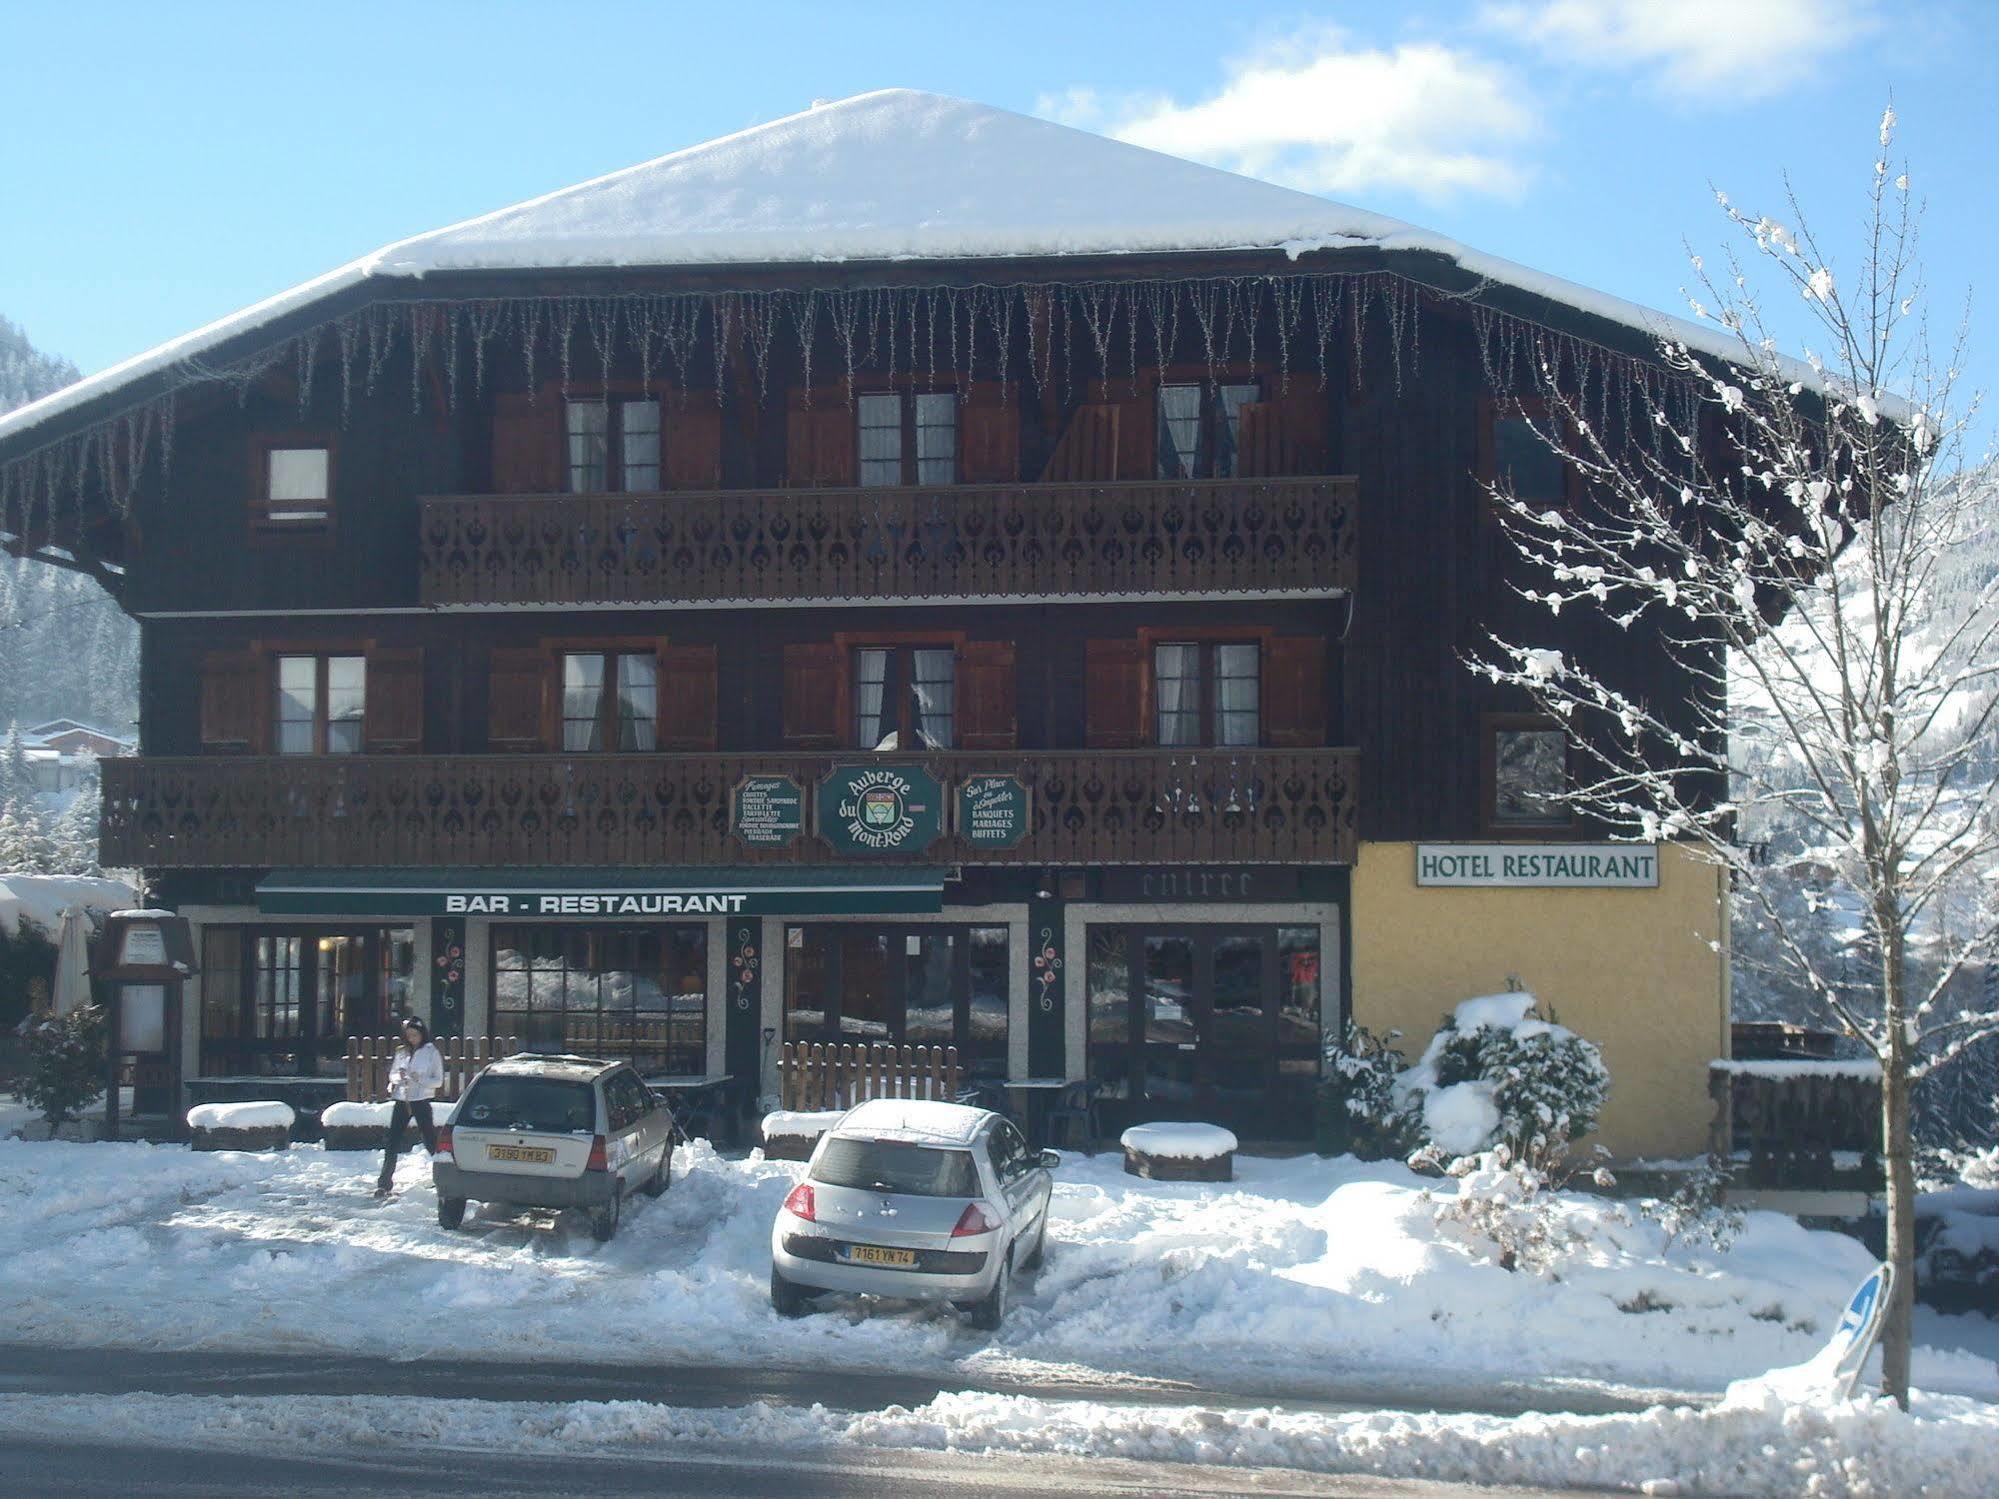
[297, 487]
[1530, 773]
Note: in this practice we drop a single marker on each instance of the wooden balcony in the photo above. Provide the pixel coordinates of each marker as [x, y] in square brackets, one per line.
[1263, 806]
[960, 542]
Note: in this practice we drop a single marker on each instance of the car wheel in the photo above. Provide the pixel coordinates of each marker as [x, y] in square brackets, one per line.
[604, 1222]
[450, 1212]
[985, 1314]
[786, 1299]
[663, 1177]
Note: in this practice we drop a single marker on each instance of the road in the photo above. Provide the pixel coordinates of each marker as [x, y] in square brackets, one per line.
[33, 1467]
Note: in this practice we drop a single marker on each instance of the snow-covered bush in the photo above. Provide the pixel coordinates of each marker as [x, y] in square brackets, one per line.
[1511, 1205]
[1698, 1210]
[1497, 1073]
[1361, 1110]
[65, 1056]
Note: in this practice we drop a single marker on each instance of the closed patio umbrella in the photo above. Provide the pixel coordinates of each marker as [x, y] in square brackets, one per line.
[72, 961]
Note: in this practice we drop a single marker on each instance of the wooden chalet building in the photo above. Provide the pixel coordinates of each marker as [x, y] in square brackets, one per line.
[907, 572]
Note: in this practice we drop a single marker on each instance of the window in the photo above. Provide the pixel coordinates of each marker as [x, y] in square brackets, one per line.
[610, 698]
[608, 991]
[285, 1000]
[1527, 770]
[1198, 427]
[1516, 456]
[927, 985]
[322, 704]
[1206, 693]
[905, 697]
[294, 487]
[908, 437]
[612, 446]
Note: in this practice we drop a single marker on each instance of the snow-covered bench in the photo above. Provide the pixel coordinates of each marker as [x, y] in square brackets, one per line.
[241, 1126]
[357, 1126]
[789, 1134]
[1179, 1152]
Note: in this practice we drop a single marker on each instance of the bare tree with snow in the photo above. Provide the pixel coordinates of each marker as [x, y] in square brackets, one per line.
[1782, 526]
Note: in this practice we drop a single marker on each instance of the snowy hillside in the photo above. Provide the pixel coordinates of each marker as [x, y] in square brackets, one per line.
[68, 651]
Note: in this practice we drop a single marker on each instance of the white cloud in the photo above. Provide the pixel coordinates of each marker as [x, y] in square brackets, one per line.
[1318, 115]
[1744, 48]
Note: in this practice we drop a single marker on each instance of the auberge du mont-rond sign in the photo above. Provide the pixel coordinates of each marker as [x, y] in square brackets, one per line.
[880, 809]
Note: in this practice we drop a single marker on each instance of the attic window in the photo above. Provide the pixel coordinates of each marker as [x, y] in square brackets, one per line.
[297, 488]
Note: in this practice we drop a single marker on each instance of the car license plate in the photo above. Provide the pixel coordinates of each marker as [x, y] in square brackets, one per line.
[869, 1254]
[537, 1155]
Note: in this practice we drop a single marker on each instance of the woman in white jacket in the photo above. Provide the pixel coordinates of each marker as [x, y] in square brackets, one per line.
[415, 1074]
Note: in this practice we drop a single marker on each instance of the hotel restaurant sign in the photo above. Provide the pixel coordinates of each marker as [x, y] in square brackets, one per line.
[1539, 866]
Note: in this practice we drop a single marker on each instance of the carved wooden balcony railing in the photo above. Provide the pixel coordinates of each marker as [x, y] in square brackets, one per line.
[1220, 536]
[1264, 806]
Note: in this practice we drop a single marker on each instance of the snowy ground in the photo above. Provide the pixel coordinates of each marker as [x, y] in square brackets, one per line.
[1303, 1279]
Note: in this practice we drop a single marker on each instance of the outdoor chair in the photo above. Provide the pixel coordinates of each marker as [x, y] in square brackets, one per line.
[1076, 1104]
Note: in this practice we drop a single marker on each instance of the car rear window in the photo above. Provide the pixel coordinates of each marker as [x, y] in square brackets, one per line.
[543, 1104]
[892, 1166]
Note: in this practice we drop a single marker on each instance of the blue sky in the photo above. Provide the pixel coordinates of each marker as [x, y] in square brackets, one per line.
[168, 164]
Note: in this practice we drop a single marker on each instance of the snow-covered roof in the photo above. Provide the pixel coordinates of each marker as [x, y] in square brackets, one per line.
[893, 175]
[918, 1120]
[42, 898]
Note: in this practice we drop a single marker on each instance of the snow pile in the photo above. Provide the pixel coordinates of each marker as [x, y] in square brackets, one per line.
[800, 1124]
[1299, 1275]
[40, 899]
[1179, 1142]
[345, 1115]
[1781, 1068]
[270, 1115]
[1867, 1448]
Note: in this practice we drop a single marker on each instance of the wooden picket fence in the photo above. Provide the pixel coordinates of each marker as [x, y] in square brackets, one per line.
[812, 1077]
[368, 1059]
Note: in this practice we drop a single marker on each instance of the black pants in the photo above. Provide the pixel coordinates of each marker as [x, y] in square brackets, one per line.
[399, 1120]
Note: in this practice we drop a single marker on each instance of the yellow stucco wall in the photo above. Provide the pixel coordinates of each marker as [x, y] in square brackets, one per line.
[1632, 970]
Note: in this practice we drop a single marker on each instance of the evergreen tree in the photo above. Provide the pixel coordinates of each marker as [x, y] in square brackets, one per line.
[24, 846]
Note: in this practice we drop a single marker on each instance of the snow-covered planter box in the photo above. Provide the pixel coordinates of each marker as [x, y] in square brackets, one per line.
[356, 1126]
[241, 1126]
[789, 1135]
[1179, 1152]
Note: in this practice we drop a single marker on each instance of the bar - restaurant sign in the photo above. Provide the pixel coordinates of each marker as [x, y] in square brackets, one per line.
[1539, 866]
[880, 809]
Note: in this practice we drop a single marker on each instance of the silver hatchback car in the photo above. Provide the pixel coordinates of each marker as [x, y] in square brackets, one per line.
[928, 1201]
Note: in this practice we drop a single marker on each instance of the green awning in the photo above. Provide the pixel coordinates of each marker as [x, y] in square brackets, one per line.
[602, 894]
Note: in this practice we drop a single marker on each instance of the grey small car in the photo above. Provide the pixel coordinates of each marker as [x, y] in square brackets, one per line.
[554, 1132]
[915, 1200]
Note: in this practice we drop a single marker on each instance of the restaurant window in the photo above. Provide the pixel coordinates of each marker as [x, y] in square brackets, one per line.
[638, 992]
[1206, 693]
[612, 446]
[296, 488]
[908, 437]
[1526, 773]
[610, 699]
[322, 704]
[928, 985]
[285, 1000]
[1198, 429]
[904, 697]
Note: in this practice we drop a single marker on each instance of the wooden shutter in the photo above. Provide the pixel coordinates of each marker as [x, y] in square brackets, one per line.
[687, 685]
[1088, 447]
[986, 696]
[1283, 435]
[989, 434]
[516, 681]
[233, 706]
[813, 716]
[821, 443]
[527, 444]
[691, 428]
[1294, 691]
[1113, 694]
[394, 721]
